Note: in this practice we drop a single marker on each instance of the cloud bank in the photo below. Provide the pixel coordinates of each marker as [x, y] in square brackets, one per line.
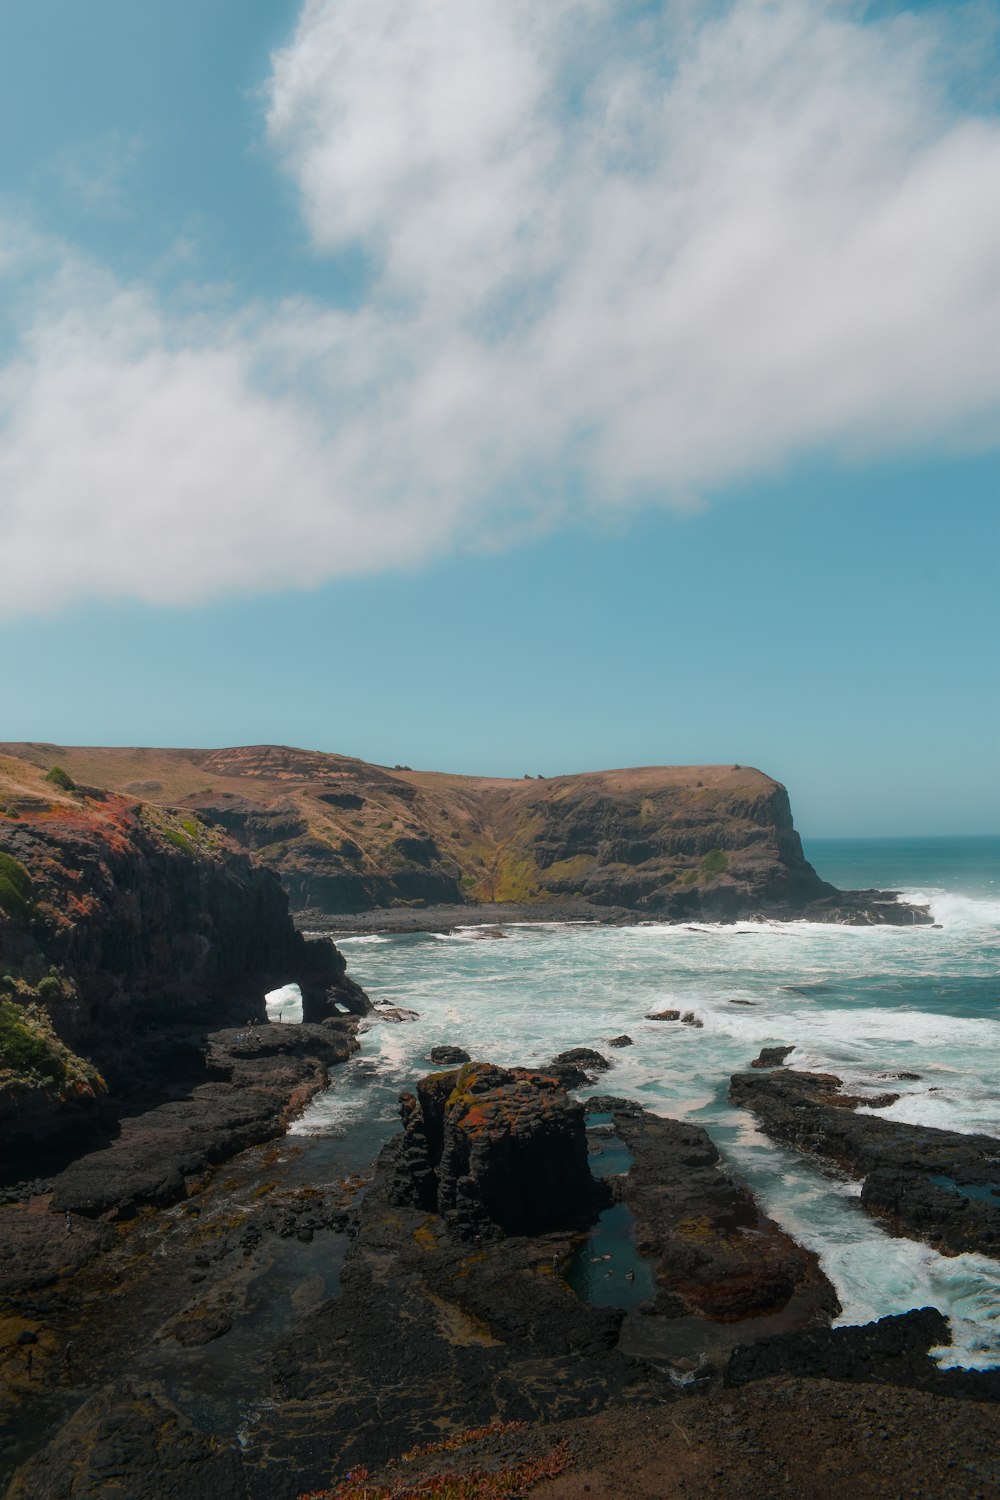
[615, 255]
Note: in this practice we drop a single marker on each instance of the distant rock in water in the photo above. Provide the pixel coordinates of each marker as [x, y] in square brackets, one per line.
[449, 1057]
[620, 1041]
[771, 1057]
[574, 1067]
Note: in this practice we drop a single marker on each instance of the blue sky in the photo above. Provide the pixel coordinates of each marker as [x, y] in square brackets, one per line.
[503, 391]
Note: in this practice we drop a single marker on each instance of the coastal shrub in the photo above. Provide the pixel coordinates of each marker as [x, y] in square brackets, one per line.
[49, 989]
[191, 826]
[16, 890]
[58, 777]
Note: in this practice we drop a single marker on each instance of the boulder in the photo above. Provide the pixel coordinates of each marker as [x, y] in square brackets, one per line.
[449, 1057]
[771, 1057]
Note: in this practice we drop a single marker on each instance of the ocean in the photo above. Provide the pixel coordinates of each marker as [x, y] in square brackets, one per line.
[855, 1001]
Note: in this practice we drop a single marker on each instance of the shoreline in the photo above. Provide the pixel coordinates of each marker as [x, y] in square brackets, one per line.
[851, 908]
[402, 919]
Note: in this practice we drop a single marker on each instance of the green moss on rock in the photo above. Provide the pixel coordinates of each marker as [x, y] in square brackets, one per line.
[17, 897]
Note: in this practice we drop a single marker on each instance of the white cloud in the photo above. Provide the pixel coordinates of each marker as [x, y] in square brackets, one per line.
[618, 255]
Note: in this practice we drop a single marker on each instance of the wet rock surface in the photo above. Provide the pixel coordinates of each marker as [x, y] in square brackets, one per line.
[938, 1185]
[718, 1258]
[892, 1351]
[576, 1066]
[449, 1057]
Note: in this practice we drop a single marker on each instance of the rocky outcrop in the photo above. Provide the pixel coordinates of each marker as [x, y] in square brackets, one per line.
[674, 842]
[717, 1256]
[938, 1185]
[495, 1151]
[136, 932]
[891, 1351]
[257, 1081]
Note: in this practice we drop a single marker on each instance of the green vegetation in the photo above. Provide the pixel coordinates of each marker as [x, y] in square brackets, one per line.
[516, 879]
[17, 897]
[714, 862]
[192, 826]
[32, 1055]
[58, 777]
[179, 840]
[569, 869]
[24, 1047]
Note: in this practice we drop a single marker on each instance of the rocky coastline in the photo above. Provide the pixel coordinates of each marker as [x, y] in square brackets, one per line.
[456, 1331]
[870, 908]
[191, 1306]
[671, 843]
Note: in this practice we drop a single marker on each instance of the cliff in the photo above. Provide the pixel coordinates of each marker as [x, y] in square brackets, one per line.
[344, 836]
[126, 932]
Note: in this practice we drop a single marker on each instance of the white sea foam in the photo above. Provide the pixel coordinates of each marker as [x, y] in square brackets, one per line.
[853, 1001]
[285, 1005]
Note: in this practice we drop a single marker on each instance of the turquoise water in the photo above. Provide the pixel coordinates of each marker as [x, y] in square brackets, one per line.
[861, 1002]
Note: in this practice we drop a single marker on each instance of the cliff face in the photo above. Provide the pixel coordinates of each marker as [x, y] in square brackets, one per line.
[345, 836]
[124, 932]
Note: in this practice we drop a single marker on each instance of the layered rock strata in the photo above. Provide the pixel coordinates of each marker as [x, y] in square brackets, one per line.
[674, 842]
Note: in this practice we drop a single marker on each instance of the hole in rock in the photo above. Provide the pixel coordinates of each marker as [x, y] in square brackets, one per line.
[284, 1004]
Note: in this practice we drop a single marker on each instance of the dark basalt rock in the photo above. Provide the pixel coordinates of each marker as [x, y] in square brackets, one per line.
[938, 1185]
[449, 1057]
[573, 1068]
[893, 1350]
[496, 1152]
[157, 933]
[258, 1079]
[620, 1041]
[719, 1258]
[663, 1015]
[771, 1057]
[125, 1443]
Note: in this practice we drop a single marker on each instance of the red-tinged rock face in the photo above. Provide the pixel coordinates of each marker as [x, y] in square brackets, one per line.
[139, 921]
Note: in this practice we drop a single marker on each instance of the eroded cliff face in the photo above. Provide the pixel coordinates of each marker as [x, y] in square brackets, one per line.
[672, 842]
[125, 933]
